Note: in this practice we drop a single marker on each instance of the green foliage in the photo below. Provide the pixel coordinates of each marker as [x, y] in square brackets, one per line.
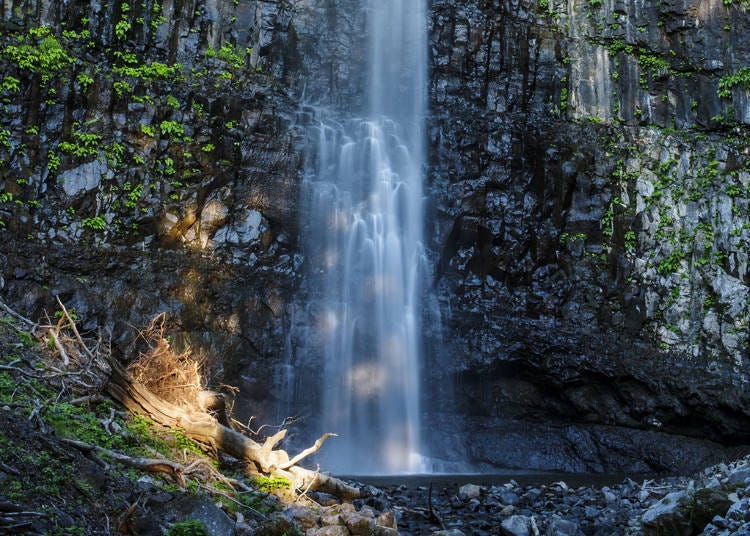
[172, 129]
[148, 130]
[134, 194]
[739, 79]
[5, 138]
[566, 238]
[84, 144]
[39, 52]
[563, 99]
[173, 102]
[10, 84]
[146, 432]
[78, 422]
[270, 484]
[630, 241]
[123, 25]
[114, 152]
[153, 71]
[84, 80]
[122, 28]
[168, 167]
[671, 263]
[653, 65]
[234, 56]
[53, 162]
[184, 443]
[122, 88]
[95, 223]
[191, 527]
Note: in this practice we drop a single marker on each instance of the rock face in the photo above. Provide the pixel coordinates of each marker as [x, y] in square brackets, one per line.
[589, 182]
[149, 163]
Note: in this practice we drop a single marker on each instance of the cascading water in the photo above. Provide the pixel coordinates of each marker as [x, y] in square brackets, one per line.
[363, 231]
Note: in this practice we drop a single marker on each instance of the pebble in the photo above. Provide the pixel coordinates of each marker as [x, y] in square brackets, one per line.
[648, 508]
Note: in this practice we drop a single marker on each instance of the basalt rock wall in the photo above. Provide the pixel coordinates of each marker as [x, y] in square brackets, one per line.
[588, 198]
[149, 163]
[590, 183]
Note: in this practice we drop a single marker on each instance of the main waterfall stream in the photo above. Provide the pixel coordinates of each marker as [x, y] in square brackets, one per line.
[362, 234]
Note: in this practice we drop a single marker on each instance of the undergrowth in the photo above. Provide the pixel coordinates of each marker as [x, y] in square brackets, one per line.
[34, 386]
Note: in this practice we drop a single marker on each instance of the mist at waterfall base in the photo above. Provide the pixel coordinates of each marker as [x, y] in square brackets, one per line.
[362, 236]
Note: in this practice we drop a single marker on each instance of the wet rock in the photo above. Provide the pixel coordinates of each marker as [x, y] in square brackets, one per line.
[516, 525]
[188, 507]
[335, 530]
[739, 476]
[709, 503]
[669, 516]
[469, 491]
[306, 518]
[357, 523]
[562, 527]
[378, 530]
[85, 177]
[739, 511]
[449, 532]
[387, 519]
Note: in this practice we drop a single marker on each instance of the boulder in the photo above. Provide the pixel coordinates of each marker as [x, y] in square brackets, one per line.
[562, 527]
[669, 516]
[469, 491]
[333, 530]
[516, 526]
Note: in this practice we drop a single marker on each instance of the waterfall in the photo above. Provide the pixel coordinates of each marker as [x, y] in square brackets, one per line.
[362, 234]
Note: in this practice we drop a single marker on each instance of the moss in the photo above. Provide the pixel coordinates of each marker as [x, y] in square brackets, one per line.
[191, 527]
[270, 484]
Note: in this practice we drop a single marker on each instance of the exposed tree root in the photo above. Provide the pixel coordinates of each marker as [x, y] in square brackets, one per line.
[167, 388]
[159, 465]
[206, 429]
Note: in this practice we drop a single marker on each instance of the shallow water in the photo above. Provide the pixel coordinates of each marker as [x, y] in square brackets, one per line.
[523, 478]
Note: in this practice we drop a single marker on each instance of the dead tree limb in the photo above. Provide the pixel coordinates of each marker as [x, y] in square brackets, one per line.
[59, 347]
[305, 453]
[158, 465]
[17, 316]
[74, 328]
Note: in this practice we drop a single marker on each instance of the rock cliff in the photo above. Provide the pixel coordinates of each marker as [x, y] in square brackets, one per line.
[589, 182]
[590, 175]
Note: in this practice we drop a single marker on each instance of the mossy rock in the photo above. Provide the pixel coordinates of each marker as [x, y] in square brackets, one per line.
[708, 503]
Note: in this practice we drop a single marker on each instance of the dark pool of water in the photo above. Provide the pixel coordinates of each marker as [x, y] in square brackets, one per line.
[573, 480]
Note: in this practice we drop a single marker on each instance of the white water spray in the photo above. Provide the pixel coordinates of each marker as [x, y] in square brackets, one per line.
[363, 237]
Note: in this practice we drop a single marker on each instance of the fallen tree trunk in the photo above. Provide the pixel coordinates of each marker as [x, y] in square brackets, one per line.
[204, 428]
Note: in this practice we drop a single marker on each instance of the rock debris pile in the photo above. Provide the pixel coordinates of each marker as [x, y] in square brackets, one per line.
[715, 502]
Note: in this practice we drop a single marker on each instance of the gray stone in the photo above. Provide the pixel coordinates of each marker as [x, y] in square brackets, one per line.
[510, 498]
[387, 519]
[448, 532]
[516, 526]
[358, 524]
[669, 516]
[85, 177]
[562, 527]
[306, 518]
[187, 507]
[333, 530]
[469, 491]
[739, 511]
[739, 476]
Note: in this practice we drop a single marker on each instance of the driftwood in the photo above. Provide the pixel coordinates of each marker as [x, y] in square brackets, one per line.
[206, 429]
